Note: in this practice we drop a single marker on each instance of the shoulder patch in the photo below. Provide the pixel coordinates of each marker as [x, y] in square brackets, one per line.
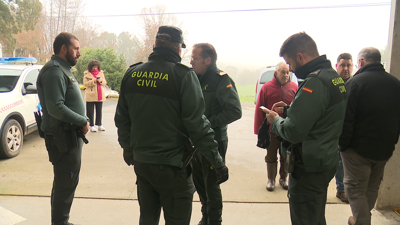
[314, 73]
[136, 64]
[56, 63]
[182, 65]
[306, 89]
[222, 73]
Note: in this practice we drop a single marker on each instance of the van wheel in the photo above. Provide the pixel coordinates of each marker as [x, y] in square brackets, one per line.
[12, 138]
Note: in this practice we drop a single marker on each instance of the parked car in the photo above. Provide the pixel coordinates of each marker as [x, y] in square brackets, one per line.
[266, 75]
[18, 102]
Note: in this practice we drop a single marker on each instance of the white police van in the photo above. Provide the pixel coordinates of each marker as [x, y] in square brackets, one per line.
[18, 102]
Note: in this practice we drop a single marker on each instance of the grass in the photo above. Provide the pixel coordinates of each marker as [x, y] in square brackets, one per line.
[246, 92]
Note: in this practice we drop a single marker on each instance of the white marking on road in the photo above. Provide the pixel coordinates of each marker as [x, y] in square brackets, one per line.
[9, 218]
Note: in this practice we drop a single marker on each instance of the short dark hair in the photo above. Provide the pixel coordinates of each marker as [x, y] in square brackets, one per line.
[161, 42]
[207, 50]
[63, 38]
[299, 43]
[92, 64]
[345, 56]
[370, 55]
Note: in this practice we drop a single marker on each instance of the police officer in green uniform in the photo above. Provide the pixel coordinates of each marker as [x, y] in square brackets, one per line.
[63, 115]
[313, 125]
[222, 107]
[160, 106]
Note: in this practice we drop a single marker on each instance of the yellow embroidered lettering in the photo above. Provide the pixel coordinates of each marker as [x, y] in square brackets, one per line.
[165, 77]
[337, 81]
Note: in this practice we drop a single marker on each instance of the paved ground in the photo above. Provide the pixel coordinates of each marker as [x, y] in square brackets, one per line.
[106, 193]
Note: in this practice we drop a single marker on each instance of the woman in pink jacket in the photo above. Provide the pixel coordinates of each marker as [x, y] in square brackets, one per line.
[94, 79]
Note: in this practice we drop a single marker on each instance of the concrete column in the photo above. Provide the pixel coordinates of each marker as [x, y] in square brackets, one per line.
[389, 196]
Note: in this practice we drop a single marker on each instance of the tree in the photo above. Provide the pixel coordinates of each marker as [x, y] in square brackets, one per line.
[247, 77]
[17, 16]
[31, 43]
[86, 32]
[59, 16]
[232, 71]
[113, 65]
[153, 17]
[105, 40]
[127, 45]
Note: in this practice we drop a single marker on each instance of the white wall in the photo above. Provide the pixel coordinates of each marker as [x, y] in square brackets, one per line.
[389, 196]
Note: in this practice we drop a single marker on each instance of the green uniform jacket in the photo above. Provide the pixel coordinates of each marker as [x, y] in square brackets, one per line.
[60, 96]
[222, 100]
[315, 117]
[159, 106]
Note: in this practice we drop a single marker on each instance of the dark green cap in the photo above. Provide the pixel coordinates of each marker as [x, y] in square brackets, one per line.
[174, 34]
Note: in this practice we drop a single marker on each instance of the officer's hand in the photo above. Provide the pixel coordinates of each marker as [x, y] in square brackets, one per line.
[278, 107]
[223, 174]
[86, 128]
[128, 157]
[271, 116]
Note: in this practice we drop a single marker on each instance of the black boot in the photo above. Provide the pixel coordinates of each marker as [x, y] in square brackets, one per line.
[271, 171]
[283, 174]
[203, 222]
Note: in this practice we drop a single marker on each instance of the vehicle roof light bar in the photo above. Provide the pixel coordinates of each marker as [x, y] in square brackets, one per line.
[18, 60]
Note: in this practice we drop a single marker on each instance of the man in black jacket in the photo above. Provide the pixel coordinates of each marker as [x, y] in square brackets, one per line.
[222, 108]
[367, 141]
[159, 107]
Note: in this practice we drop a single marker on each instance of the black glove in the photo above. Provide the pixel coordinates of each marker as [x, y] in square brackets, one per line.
[264, 138]
[222, 173]
[128, 157]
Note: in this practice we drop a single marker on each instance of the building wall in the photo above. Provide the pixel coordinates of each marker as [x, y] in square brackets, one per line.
[389, 196]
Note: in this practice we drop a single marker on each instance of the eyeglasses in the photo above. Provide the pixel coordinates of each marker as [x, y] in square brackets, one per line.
[358, 63]
[193, 59]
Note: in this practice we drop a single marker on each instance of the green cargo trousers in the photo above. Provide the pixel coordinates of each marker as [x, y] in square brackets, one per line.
[162, 186]
[307, 196]
[66, 178]
[205, 180]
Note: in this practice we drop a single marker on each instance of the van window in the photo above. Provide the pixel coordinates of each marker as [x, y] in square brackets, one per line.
[8, 79]
[267, 76]
[32, 76]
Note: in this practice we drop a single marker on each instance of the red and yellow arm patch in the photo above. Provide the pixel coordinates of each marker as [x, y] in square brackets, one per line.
[229, 86]
[306, 89]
